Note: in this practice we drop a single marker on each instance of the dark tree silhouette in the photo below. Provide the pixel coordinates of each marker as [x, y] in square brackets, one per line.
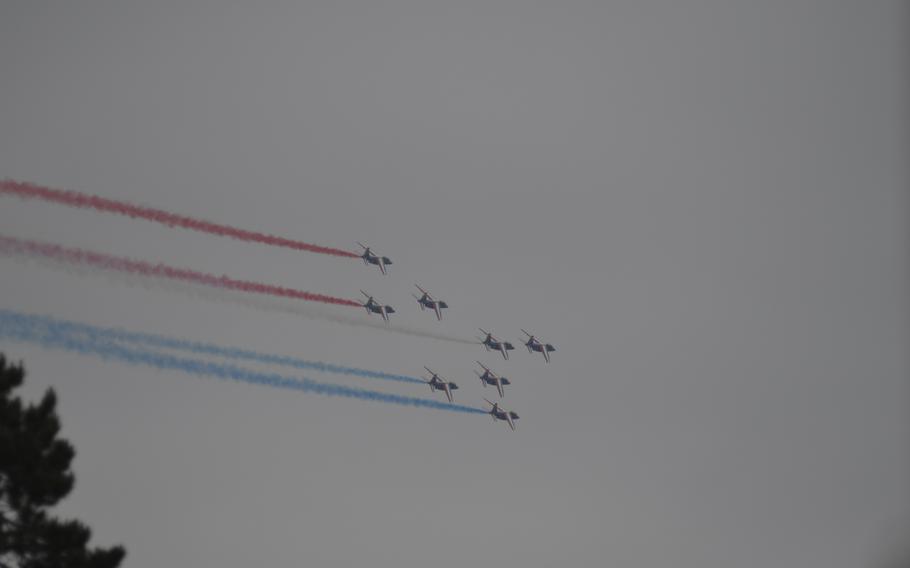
[35, 475]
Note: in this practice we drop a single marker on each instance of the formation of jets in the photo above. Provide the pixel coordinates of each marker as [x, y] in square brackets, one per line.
[490, 342]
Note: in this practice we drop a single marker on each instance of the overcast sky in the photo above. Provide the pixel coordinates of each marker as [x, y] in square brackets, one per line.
[703, 205]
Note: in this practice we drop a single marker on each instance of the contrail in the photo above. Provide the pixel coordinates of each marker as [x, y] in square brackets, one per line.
[161, 341]
[16, 328]
[263, 303]
[121, 264]
[83, 200]
[318, 312]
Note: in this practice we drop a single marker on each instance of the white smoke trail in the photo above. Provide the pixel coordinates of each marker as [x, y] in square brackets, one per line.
[261, 303]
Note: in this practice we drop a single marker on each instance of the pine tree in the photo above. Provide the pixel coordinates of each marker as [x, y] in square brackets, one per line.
[34, 476]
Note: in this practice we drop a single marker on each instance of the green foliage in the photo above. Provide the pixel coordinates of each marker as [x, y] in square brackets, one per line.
[35, 475]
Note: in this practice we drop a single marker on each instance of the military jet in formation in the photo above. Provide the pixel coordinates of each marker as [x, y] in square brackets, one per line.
[490, 378]
[534, 345]
[438, 383]
[500, 413]
[375, 307]
[369, 257]
[427, 302]
[491, 343]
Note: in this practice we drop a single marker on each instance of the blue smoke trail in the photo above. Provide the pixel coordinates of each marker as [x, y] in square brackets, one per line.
[154, 340]
[20, 327]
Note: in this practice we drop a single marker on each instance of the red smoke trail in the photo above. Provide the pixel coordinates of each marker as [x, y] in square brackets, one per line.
[84, 200]
[104, 261]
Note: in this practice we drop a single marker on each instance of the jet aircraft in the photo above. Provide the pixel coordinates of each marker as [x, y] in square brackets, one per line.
[438, 383]
[534, 344]
[375, 307]
[369, 257]
[427, 302]
[490, 342]
[500, 413]
[490, 378]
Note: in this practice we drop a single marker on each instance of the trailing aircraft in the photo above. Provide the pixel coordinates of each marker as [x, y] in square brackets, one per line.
[375, 307]
[490, 378]
[438, 383]
[427, 302]
[490, 342]
[369, 257]
[499, 413]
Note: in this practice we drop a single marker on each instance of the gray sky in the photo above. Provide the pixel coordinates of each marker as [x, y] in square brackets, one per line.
[704, 205]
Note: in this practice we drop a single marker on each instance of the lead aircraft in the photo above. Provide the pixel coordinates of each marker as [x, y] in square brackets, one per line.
[534, 344]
